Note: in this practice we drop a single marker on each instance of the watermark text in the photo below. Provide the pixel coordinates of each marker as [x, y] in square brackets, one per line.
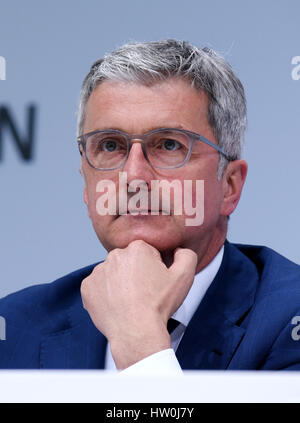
[2, 329]
[296, 330]
[160, 197]
[296, 69]
[2, 68]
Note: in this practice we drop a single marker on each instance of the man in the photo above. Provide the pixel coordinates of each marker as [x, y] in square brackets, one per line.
[162, 112]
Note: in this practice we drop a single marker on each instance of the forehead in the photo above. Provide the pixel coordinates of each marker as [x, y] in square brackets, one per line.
[136, 108]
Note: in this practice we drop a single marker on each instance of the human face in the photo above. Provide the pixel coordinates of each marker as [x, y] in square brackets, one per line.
[137, 109]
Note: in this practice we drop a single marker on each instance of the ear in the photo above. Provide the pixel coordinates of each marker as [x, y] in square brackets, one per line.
[232, 183]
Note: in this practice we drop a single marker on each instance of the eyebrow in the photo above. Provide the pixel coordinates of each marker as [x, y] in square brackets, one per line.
[116, 128]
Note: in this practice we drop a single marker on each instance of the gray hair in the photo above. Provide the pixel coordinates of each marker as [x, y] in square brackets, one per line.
[152, 62]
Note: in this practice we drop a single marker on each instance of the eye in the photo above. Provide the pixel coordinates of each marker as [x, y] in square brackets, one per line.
[170, 145]
[108, 145]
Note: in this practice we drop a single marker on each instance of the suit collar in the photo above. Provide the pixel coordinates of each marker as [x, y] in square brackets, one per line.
[215, 330]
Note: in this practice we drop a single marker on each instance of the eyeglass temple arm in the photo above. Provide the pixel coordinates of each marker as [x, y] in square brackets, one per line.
[216, 147]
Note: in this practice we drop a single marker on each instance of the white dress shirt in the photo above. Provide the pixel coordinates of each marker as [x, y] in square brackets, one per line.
[165, 361]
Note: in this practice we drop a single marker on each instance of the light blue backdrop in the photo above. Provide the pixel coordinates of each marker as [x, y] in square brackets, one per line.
[49, 46]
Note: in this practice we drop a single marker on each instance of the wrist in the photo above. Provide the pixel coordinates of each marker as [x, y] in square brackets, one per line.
[127, 351]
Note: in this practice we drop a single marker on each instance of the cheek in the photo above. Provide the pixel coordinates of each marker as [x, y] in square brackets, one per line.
[90, 196]
[202, 199]
[100, 222]
[213, 200]
[99, 192]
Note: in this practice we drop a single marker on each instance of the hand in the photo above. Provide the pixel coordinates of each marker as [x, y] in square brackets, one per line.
[131, 296]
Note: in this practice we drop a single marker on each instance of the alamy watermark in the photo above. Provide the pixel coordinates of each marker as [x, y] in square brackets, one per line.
[296, 330]
[155, 200]
[296, 70]
[2, 68]
[2, 329]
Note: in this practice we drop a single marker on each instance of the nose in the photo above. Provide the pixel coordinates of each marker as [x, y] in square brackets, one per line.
[137, 166]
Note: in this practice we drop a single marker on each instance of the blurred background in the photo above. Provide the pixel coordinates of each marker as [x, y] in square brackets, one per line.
[48, 47]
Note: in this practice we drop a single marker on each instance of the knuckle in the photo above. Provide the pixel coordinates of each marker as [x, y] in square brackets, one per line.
[83, 287]
[190, 253]
[193, 255]
[138, 243]
[112, 255]
[97, 269]
[85, 283]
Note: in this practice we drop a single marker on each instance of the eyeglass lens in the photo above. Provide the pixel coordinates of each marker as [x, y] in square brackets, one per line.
[107, 150]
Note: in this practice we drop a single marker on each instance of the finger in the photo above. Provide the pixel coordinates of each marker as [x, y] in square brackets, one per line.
[183, 271]
[184, 264]
[141, 245]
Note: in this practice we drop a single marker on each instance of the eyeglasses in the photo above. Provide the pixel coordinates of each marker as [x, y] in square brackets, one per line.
[163, 148]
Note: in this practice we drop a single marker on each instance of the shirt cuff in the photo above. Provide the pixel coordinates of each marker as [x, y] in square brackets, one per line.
[160, 363]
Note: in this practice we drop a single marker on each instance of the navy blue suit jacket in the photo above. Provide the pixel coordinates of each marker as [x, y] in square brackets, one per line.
[244, 321]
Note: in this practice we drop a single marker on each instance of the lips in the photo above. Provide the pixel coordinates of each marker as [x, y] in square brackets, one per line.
[136, 212]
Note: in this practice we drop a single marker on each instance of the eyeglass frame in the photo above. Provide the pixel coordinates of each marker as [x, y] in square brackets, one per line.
[133, 138]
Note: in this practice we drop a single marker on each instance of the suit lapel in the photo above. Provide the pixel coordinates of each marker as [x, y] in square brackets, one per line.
[214, 332]
[79, 346]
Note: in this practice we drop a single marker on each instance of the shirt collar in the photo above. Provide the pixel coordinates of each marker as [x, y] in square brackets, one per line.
[201, 283]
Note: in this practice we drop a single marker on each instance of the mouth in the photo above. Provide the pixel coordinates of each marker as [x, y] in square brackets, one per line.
[144, 212]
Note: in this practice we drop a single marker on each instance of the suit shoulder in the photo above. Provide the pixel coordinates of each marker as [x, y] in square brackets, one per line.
[269, 260]
[35, 299]
[277, 274]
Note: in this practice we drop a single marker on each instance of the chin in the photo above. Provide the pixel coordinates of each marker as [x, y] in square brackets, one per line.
[159, 241]
[160, 232]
